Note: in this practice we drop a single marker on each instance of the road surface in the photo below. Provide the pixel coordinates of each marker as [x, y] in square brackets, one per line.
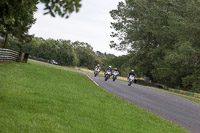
[170, 107]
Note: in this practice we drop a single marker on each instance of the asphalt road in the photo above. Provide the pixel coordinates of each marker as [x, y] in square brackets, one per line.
[170, 107]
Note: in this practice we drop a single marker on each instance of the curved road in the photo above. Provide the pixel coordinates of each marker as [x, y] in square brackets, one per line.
[170, 107]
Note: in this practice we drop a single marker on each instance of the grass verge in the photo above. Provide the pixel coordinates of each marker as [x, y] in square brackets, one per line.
[197, 100]
[36, 98]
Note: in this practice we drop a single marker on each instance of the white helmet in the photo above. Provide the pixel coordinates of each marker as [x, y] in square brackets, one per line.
[110, 66]
[132, 70]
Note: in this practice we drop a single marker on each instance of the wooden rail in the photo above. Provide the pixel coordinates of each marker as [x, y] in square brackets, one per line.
[7, 54]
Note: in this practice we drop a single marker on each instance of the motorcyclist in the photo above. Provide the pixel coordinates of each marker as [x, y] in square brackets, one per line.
[115, 70]
[132, 72]
[108, 69]
[97, 67]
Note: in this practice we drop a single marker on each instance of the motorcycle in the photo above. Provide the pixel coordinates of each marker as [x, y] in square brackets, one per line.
[107, 75]
[131, 80]
[96, 72]
[114, 76]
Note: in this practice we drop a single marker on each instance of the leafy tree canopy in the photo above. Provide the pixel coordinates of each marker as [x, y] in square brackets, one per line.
[16, 16]
[162, 38]
[63, 7]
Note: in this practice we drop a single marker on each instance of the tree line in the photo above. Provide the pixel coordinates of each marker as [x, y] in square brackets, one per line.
[65, 52]
[163, 40]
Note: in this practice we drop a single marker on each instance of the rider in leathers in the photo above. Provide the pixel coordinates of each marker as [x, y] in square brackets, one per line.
[115, 69]
[132, 72]
[97, 67]
[108, 69]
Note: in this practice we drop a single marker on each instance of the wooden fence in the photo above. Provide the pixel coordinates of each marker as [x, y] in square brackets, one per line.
[7, 54]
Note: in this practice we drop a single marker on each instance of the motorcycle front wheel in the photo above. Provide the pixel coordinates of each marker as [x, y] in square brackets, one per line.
[114, 79]
[129, 83]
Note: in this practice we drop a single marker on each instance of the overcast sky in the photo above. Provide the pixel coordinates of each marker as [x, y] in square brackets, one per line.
[91, 24]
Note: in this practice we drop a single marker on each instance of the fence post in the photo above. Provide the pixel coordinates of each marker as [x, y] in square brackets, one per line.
[25, 57]
[21, 56]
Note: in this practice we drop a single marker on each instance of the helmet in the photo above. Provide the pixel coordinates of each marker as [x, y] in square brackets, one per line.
[132, 70]
[98, 65]
[110, 66]
[115, 68]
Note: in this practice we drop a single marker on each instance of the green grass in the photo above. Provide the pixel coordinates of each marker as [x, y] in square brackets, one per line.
[194, 99]
[41, 99]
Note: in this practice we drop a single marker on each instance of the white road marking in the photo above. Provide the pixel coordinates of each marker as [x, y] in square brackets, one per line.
[92, 80]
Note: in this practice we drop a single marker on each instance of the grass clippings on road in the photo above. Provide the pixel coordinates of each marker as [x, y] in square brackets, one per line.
[36, 98]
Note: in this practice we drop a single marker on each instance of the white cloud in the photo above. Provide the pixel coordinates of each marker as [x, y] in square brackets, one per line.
[91, 24]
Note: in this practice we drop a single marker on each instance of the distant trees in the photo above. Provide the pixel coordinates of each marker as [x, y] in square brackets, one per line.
[67, 53]
[164, 39]
[85, 54]
[58, 50]
[104, 55]
[121, 63]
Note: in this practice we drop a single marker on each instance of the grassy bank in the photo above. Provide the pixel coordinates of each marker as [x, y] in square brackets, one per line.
[36, 98]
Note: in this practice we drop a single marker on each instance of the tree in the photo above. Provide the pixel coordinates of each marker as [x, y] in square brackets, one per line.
[16, 19]
[85, 54]
[104, 55]
[16, 16]
[156, 31]
[59, 50]
[63, 8]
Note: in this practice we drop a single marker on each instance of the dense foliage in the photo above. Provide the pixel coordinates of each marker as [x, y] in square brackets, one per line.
[16, 18]
[104, 55]
[62, 8]
[86, 55]
[163, 37]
